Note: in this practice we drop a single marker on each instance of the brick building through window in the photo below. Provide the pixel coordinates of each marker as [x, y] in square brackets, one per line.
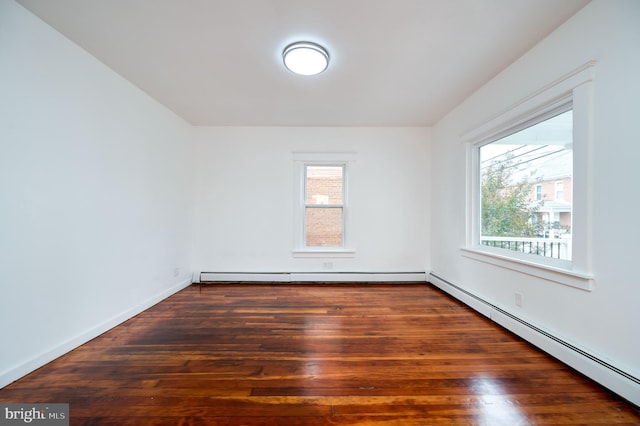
[324, 206]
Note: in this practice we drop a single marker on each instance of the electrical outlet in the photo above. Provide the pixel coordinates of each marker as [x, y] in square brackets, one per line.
[519, 300]
[327, 265]
[176, 272]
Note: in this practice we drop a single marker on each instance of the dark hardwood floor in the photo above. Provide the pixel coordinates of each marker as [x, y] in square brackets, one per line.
[307, 354]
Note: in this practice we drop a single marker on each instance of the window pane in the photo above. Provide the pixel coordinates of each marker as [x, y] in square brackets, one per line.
[323, 227]
[526, 189]
[324, 185]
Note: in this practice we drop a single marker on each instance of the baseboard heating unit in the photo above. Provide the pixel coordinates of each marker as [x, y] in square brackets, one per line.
[294, 277]
[619, 381]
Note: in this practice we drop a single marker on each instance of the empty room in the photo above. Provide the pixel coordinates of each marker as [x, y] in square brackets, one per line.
[284, 212]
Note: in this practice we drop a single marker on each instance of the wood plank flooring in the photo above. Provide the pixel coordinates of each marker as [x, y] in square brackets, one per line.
[290, 355]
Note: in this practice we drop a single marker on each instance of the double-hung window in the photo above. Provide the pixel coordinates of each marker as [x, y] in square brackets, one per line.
[321, 214]
[528, 187]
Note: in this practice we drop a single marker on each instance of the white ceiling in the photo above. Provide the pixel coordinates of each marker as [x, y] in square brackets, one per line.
[393, 62]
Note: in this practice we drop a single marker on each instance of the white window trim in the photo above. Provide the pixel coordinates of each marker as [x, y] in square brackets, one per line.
[300, 160]
[574, 88]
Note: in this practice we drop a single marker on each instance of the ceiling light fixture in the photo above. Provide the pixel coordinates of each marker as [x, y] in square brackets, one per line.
[305, 58]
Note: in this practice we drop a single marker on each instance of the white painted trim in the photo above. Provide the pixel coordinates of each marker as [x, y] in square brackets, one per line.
[244, 277]
[360, 277]
[567, 277]
[535, 104]
[300, 160]
[581, 359]
[288, 277]
[574, 88]
[14, 373]
[328, 157]
[324, 253]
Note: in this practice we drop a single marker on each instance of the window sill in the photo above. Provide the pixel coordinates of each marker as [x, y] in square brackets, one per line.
[324, 252]
[550, 273]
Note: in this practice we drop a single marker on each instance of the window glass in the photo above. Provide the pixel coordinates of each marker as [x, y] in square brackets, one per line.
[559, 190]
[324, 184]
[324, 195]
[323, 227]
[525, 189]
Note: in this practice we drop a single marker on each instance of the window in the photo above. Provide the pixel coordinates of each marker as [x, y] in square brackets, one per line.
[511, 218]
[324, 205]
[559, 190]
[538, 192]
[528, 187]
[321, 215]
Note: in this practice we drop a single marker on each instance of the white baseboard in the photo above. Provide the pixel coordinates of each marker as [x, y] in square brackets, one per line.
[20, 370]
[294, 277]
[244, 277]
[609, 376]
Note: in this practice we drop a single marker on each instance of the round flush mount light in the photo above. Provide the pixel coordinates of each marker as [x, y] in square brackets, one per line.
[305, 58]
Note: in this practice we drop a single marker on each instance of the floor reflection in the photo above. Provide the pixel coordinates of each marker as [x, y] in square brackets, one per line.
[323, 335]
[496, 405]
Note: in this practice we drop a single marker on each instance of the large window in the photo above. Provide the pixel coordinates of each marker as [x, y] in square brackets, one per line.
[515, 214]
[529, 183]
[321, 214]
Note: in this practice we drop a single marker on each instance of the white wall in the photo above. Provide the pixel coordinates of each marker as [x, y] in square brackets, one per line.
[95, 207]
[245, 198]
[604, 321]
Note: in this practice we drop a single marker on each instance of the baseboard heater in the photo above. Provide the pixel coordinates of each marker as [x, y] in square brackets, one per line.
[608, 375]
[294, 277]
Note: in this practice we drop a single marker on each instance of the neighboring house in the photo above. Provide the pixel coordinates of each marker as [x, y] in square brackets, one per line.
[555, 211]
[552, 187]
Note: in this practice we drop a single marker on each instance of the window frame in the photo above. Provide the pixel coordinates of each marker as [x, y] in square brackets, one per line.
[301, 161]
[571, 91]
